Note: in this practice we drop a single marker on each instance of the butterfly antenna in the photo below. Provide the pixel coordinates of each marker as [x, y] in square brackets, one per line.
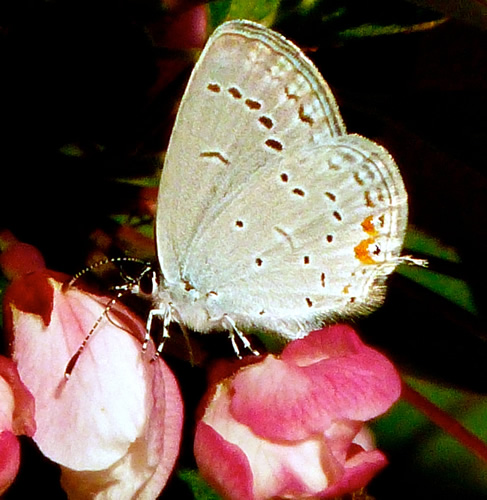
[74, 359]
[412, 261]
[121, 291]
[101, 263]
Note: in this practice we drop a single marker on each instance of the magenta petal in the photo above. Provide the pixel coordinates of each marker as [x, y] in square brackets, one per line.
[19, 259]
[9, 459]
[16, 417]
[21, 417]
[356, 475]
[222, 464]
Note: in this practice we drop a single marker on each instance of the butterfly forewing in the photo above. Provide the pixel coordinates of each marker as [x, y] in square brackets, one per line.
[252, 98]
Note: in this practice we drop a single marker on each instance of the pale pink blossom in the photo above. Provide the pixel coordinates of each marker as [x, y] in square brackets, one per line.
[293, 426]
[115, 425]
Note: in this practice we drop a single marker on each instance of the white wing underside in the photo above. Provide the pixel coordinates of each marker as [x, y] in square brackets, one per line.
[268, 209]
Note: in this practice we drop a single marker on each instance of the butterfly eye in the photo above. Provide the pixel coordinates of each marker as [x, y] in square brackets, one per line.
[147, 282]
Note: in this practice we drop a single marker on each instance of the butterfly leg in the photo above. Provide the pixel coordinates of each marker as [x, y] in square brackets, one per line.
[166, 315]
[166, 321]
[235, 331]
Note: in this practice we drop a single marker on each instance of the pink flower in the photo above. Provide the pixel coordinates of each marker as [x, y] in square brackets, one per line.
[16, 417]
[293, 426]
[184, 26]
[115, 426]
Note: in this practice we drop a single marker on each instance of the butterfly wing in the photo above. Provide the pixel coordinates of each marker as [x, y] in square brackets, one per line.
[266, 206]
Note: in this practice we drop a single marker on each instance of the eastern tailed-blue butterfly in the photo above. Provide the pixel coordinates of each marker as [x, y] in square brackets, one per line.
[270, 217]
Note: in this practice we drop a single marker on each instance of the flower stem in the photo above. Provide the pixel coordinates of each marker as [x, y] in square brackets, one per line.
[445, 421]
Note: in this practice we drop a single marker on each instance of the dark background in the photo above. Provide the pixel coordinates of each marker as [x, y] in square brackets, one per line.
[89, 74]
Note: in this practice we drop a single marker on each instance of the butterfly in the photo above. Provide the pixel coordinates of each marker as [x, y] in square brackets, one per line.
[271, 217]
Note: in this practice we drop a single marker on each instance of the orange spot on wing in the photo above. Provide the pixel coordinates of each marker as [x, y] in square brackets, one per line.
[362, 251]
[368, 226]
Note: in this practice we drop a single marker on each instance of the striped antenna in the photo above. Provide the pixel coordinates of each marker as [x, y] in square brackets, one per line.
[72, 362]
[104, 262]
[121, 291]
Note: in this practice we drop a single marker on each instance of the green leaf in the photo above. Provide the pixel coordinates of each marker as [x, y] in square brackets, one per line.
[199, 487]
[370, 30]
[71, 150]
[218, 12]
[263, 11]
[143, 226]
[419, 241]
[470, 11]
[452, 288]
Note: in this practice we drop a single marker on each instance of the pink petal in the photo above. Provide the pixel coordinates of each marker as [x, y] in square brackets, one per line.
[332, 376]
[165, 424]
[225, 453]
[91, 421]
[294, 425]
[144, 470]
[341, 437]
[357, 387]
[272, 398]
[7, 405]
[115, 426]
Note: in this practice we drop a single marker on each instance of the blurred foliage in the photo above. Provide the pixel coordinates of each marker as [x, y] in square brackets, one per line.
[88, 120]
